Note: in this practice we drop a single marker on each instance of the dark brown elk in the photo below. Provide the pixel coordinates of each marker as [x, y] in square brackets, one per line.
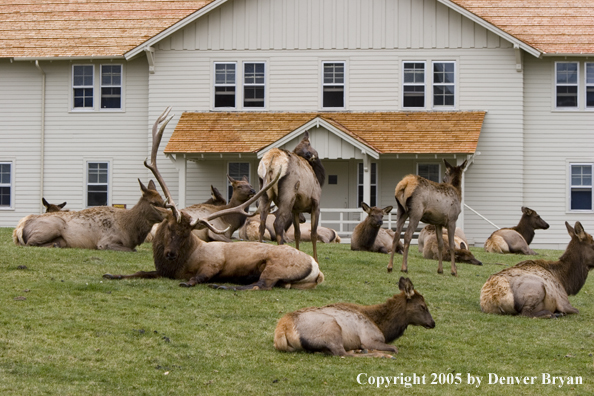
[516, 239]
[299, 189]
[419, 199]
[428, 246]
[178, 253]
[539, 288]
[51, 208]
[101, 227]
[369, 235]
[340, 329]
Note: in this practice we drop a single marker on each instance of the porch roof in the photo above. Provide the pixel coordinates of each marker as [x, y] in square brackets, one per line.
[383, 132]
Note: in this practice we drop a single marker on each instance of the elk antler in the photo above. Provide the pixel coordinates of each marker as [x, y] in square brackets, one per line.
[237, 209]
[163, 120]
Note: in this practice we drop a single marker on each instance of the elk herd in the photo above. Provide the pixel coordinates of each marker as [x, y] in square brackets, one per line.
[194, 245]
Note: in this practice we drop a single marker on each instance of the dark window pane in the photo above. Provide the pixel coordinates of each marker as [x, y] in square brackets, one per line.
[333, 73]
[253, 97]
[224, 96]
[111, 98]
[254, 73]
[82, 75]
[414, 73]
[237, 170]
[567, 73]
[581, 199]
[567, 96]
[225, 73]
[83, 97]
[97, 196]
[590, 96]
[333, 96]
[5, 196]
[111, 75]
[429, 171]
[443, 95]
[414, 96]
[5, 170]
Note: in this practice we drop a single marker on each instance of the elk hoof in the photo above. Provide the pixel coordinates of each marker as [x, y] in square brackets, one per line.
[110, 276]
[454, 274]
[185, 284]
[389, 270]
[404, 270]
[440, 271]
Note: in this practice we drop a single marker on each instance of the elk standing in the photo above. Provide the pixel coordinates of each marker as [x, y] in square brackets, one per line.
[419, 199]
[179, 254]
[516, 239]
[338, 329]
[299, 189]
[52, 208]
[369, 235]
[539, 288]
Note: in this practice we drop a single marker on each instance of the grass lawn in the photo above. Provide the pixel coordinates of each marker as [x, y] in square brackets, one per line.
[66, 330]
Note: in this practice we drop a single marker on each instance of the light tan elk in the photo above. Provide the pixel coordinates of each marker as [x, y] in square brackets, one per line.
[179, 254]
[428, 246]
[299, 189]
[250, 231]
[419, 199]
[369, 235]
[51, 208]
[340, 329]
[516, 239]
[101, 227]
[539, 288]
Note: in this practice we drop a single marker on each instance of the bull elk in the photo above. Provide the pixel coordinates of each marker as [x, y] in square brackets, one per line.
[419, 199]
[428, 246]
[340, 329]
[299, 190]
[516, 239]
[540, 288]
[51, 208]
[369, 235]
[180, 254]
[101, 227]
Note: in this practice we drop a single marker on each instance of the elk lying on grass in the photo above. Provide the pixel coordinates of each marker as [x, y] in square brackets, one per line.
[180, 254]
[340, 329]
[428, 246]
[299, 190]
[539, 288]
[250, 231]
[52, 208]
[419, 199]
[369, 235]
[101, 227]
[516, 239]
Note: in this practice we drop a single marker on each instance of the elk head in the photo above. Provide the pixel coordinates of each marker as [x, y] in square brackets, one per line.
[305, 150]
[417, 312]
[375, 215]
[534, 219]
[242, 190]
[453, 174]
[50, 208]
[581, 247]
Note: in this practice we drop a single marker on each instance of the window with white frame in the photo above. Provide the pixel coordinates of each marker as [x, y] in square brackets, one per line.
[111, 86]
[82, 86]
[254, 84]
[97, 183]
[581, 187]
[237, 170]
[5, 184]
[589, 85]
[225, 85]
[444, 87]
[429, 171]
[373, 182]
[566, 84]
[333, 83]
[413, 86]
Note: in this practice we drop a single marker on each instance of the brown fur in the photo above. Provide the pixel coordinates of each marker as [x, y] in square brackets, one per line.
[340, 329]
[101, 227]
[299, 189]
[540, 288]
[52, 208]
[369, 235]
[428, 246]
[250, 231]
[419, 199]
[516, 239]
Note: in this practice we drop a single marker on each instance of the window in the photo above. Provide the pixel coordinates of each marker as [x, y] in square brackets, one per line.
[566, 84]
[5, 185]
[443, 84]
[373, 192]
[97, 183]
[333, 84]
[253, 84]
[224, 85]
[111, 86]
[581, 187]
[413, 88]
[429, 171]
[82, 86]
[237, 170]
[590, 85]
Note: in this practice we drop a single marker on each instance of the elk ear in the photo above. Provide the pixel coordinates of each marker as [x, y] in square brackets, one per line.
[387, 209]
[142, 186]
[61, 205]
[231, 180]
[463, 246]
[152, 185]
[447, 164]
[527, 211]
[579, 231]
[365, 207]
[305, 136]
[405, 285]
[44, 202]
[463, 166]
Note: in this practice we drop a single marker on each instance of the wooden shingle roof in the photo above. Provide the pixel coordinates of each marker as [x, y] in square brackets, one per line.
[384, 132]
[85, 28]
[551, 27]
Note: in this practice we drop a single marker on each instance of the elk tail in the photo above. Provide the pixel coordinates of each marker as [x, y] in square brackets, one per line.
[17, 234]
[336, 237]
[496, 244]
[404, 189]
[497, 296]
[286, 337]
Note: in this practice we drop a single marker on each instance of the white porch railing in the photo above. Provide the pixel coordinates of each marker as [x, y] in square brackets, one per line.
[344, 220]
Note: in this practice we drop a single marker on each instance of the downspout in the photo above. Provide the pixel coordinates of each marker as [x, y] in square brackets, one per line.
[42, 154]
[470, 159]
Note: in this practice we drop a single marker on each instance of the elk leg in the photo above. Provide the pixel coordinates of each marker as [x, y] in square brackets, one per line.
[451, 236]
[139, 274]
[296, 230]
[439, 236]
[412, 226]
[264, 209]
[282, 219]
[315, 219]
[402, 216]
[193, 281]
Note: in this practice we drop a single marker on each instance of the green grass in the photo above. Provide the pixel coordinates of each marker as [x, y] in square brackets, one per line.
[76, 333]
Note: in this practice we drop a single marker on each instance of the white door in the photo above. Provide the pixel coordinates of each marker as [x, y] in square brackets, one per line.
[335, 193]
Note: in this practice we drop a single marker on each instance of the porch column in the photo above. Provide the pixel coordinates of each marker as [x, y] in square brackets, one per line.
[366, 179]
[181, 163]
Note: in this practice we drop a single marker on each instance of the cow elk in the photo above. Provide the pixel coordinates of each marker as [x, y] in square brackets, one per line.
[516, 239]
[428, 246]
[178, 253]
[419, 199]
[369, 235]
[540, 288]
[299, 190]
[52, 208]
[100, 227]
[340, 329]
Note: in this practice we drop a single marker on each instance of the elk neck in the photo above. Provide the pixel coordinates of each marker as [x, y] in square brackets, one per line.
[572, 269]
[390, 317]
[139, 220]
